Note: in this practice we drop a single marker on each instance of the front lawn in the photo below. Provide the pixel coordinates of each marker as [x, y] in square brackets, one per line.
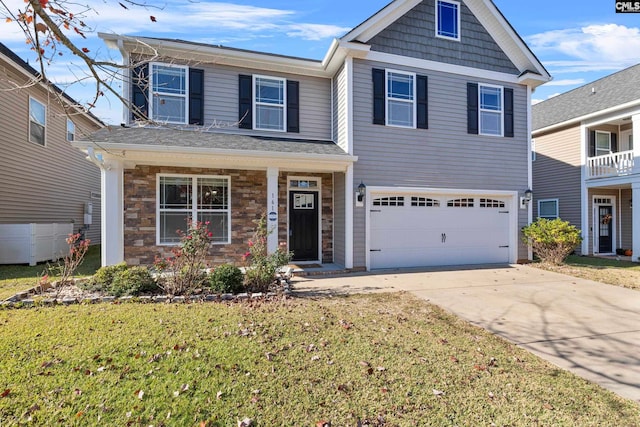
[604, 270]
[17, 278]
[385, 359]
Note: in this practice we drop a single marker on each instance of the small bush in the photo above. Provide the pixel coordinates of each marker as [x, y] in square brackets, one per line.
[226, 278]
[101, 281]
[552, 240]
[132, 281]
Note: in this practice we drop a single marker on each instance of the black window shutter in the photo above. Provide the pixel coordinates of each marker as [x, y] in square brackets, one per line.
[245, 118]
[378, 97]
[508, 112]
[472, 108]
[196, 96]
[293, 106]
[614, 142]
[422, 86]
[139, 92]
[592, 143]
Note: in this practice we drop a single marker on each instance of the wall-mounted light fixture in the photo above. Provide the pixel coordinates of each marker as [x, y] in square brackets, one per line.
[362, 189]
[524, 201]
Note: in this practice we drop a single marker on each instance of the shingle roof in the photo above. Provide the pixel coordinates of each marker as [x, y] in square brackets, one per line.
[616, 89]
[171, 137]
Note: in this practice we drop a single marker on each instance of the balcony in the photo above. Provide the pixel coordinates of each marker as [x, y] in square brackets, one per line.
[612, 164]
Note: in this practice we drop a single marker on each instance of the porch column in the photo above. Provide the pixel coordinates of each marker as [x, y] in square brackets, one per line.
[272, 209]
[636, 143]
[348, 217]
[635, 219]
[112, 213]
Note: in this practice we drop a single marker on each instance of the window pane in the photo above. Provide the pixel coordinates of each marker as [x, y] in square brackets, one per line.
[447, 19]
[603, 141]
[71, 131]
[36, 133]
[490, 123]
[212, 193]
[490, 98]
[170, 80]
[269, 91]
[218, 225]
[175, 193]
[548, 209]
[170, 223]
[400, 86]
[169, 108]
[268, 117]
[400, 113]
[37, 112]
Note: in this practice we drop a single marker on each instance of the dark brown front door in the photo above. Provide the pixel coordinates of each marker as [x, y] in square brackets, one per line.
[303, 225]
[605, 238]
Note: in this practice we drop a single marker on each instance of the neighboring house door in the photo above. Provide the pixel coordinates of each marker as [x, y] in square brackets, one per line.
[303, 225]
[605, 233]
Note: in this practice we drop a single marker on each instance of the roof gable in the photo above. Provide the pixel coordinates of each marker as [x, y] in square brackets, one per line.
[484, 11]
[606, 93]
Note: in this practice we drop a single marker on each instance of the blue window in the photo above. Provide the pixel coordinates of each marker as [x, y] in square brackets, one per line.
[448, 19]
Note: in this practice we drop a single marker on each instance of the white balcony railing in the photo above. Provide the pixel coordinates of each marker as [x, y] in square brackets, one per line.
[612, 164]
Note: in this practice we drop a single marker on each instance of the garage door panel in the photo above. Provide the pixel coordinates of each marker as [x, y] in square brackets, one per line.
[463, 232]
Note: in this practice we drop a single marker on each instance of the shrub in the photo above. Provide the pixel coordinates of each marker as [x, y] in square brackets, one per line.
[226, 278]
[101, 280]
[552, 240]
[262, 266]
[184, 271]
[132, 281]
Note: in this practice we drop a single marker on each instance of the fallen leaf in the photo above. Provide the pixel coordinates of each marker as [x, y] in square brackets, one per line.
[453, 359]
[247, 422]
[438, 392]
[140, 394]
[323, 423]
[548, 406]
[5, 393]
[219, 395]
[365, 364]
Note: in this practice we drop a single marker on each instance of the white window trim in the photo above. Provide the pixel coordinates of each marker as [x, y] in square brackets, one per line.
[438, 20]
[73, 125]
[255, 103]
[387, 98]
[194, 205]
[480, 110]
[557, 202]
[595, 143]
[185, 96]
[533, 150]
[44, 125]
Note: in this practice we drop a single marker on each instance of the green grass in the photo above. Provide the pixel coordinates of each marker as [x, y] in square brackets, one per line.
[291, 362]
[601, 262]
[16, 278]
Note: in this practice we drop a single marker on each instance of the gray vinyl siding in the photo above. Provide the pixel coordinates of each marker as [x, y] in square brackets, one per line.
[43, 184]
[443, 156]
[626, 239]
[221, 102]
[413, 35]
[338, 219]
[340, 109]
[557, 172]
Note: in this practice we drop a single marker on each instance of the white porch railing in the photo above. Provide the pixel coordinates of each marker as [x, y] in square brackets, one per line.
[612, 164]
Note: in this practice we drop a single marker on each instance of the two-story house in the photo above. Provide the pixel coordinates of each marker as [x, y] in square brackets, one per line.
[44, 179]
[407, 145]
[586, 169]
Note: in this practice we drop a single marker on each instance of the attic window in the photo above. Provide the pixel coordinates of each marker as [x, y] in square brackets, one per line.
[448, 19]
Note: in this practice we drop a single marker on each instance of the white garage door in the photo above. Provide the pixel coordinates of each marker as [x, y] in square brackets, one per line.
[432, 230]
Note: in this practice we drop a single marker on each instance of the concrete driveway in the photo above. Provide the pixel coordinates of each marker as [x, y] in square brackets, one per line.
[586, 327]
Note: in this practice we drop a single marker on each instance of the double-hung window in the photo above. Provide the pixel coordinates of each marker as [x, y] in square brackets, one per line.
[37, 121]
[169, 93]
[548, 208]
[448, 19]
[490, 110]
[603, 143]
[401, 95]
[269, 103]
[184, 198]
[71, 131]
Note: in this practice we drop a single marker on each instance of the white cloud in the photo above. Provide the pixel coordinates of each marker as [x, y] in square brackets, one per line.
[315, 31]
[566, 82]
[610, 46]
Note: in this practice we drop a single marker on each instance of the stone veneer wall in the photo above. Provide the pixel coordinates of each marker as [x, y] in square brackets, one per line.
[248, 202]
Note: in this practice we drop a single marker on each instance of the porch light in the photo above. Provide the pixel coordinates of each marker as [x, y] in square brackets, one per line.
[361, 191]
[528, 195]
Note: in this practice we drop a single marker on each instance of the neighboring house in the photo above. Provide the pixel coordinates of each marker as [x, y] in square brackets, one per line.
[44, 179]
[586, 168]
[424, 108]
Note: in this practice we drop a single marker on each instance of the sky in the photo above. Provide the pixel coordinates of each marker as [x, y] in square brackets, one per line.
[578, 41]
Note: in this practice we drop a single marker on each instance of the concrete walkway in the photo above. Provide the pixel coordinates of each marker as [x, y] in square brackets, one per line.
[588, 328]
